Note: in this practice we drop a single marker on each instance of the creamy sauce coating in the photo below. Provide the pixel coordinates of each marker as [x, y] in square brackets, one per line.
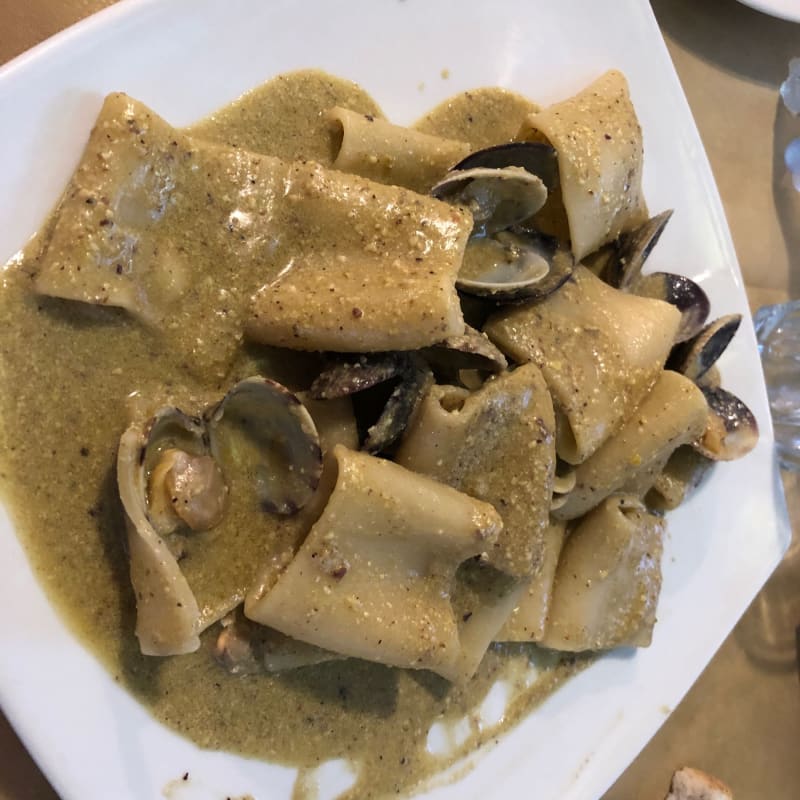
[72, 366]
[482, 117]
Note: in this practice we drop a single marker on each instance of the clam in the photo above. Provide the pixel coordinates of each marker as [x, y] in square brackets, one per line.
[259, 430]
[412, 373]
[504, 187]
[622, 268]
[183, 486]
[535, 157]
[349, 376]
[683, 293]
[263, 430]
[631, 250]
[402, 403]
[176, 474]
[497, 198]
[514, 265]
[732, 430]
[472, 350]
[697, 355]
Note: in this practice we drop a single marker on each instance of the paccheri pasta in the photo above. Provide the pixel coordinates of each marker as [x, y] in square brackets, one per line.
[367, 417]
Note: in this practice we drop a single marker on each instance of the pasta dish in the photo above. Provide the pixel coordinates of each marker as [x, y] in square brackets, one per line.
[355, 421]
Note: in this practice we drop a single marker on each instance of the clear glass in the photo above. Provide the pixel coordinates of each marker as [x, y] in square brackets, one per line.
[778, 333]
[790, 88]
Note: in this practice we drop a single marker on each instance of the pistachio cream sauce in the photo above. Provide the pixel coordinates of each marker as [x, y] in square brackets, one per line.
[78, 372]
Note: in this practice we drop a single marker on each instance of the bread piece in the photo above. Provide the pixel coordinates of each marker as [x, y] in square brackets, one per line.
[693, 784]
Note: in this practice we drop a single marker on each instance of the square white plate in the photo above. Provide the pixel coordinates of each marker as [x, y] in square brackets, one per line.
[187, 57]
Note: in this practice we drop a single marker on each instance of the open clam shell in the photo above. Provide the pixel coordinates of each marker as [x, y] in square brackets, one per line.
[535, 157]
[621, 266]
[472, 350]
[503, 187]
[683, 293]
[413, 375]
[399, 408]
[173, 482]
[631, 250]
[167, 616]
[732, 430]
[697, 355]
[173, 472]
[183, 484]
[352, 375]
[261, 428]
[497, 198]
[514, 265]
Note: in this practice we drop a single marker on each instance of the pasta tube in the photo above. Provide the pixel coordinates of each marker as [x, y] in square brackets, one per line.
[673, 413]
[600, 156]
[387, 153]
[374, 576]
[608, 579]
[600, 351]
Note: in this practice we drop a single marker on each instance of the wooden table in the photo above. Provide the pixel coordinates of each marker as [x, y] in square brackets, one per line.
[741, 720]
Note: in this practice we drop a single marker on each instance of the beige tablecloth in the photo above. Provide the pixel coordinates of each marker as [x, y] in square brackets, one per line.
[741, 720]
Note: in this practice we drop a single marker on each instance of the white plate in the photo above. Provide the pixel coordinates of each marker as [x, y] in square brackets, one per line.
[185, 58]
[785, 9]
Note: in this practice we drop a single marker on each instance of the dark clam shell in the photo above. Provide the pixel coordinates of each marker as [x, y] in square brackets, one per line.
[631, 250]
[513, 266]
[505, 186]
[348, 376]
[401, 404]
[695, 357]
[412, 373]
[537, 158]
[681, 292]
[471, 350]
[710, 378]
[732, 430]
[476, 310]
